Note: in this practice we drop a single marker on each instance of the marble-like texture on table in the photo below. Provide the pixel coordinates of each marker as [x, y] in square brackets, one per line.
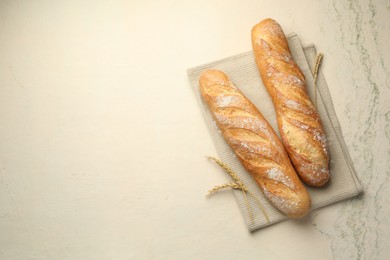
[72, 72]
[361, 229]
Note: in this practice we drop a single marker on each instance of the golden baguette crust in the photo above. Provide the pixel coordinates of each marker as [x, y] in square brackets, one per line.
[298, 121]
[255, 143]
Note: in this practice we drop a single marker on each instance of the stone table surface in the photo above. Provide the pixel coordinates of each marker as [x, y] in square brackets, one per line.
[102, 141]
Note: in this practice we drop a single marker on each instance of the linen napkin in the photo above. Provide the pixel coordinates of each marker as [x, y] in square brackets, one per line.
[243, 72]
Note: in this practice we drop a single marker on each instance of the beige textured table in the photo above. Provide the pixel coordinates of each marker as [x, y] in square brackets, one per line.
[102, 141]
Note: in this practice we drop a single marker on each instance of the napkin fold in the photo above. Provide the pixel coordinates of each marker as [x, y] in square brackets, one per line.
[243, 72]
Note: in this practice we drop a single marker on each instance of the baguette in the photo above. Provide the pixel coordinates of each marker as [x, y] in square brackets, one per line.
[298, 121]
[255, 144]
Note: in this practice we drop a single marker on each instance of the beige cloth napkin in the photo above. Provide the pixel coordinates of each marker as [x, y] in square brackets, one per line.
[242, 70]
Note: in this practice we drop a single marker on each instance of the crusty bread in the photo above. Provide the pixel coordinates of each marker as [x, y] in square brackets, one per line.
[298, 121]
[255, 143]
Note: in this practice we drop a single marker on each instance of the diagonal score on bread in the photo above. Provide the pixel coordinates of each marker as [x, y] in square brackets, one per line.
[255, 143]
[298, 121]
